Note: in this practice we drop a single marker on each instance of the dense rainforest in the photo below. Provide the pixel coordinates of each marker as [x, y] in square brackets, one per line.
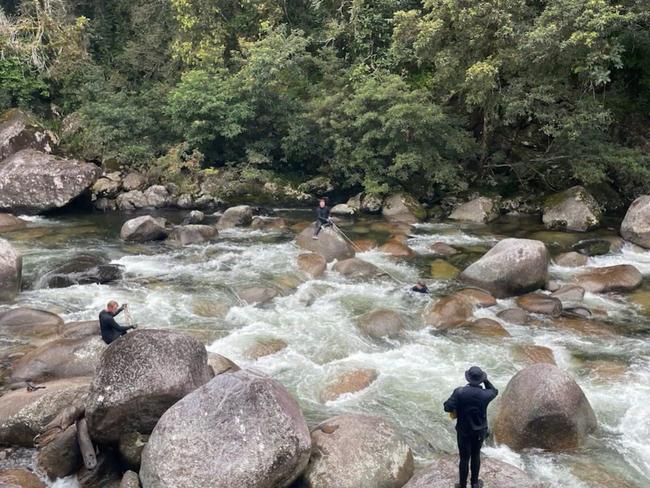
[434, 96]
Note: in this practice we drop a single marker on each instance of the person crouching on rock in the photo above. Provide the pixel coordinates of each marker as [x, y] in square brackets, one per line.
[110, 329]
[468, 404]
[322, 217]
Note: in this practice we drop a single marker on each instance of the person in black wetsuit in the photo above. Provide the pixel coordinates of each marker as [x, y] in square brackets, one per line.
[469, 405]
[322, 217]
[420, 287]
[110, 329]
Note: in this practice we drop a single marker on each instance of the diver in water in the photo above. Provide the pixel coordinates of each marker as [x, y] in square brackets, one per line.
[420, 287]
[108, 327]
[322, 217]
[468, 404]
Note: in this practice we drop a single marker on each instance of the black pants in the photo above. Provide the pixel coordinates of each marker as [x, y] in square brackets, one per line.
[469, 449]
[319, 225]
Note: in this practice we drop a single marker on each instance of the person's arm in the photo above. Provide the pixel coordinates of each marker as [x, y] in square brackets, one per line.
[489, 387]
[452, 403]
[110, 321]
[118, 311]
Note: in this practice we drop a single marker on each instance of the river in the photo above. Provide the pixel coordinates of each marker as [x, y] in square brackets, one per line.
[194, 289]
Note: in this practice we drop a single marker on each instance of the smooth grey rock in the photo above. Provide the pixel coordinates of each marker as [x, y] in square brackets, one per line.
[145, 228]
[133, 181]
[33, 182]
[512, 267]
[29, 322]
[571, 259]
[356, 268]
[185, 235]
[11, 271]
[353, 451]
[139, 376]
[342, 209]
[636, 224]
[61, 457]
[403, 208]
[382, 323]
[157, 196]
[242, 429]
[194, 217]
[543, 407]
[82, 269]
[238, 216]
[621, 278]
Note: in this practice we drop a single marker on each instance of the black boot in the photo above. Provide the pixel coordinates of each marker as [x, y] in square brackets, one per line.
[478, 485]
[457, 485]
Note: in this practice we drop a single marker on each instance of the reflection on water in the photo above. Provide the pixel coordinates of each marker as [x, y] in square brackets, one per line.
[196, 289]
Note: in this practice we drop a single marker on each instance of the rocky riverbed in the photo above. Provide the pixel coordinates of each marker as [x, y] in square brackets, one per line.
[344, 338]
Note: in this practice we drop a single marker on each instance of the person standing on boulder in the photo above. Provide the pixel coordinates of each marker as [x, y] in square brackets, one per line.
[322, 217]
[110, 329]
[468, 404]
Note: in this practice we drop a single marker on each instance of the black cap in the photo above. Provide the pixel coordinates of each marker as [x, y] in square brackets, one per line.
[475, 376]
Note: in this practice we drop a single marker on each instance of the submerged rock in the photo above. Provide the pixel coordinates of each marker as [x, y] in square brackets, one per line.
[11, 270]
[514, 316]
[403, 208]
[241, 429]
[478, 298]
[185, 235]
[449, 312]
[636, 224]
[512, 267]
[348, 382]
[574, 209]
[33, 182]
[571, 259]
[265, 347]
[540, 303]
[533, 354]
[142, 229]
[257, 294]
[543, 407]
[397, 249]
[382, 323]
[330, 244]
[351, 451]
[443, 249]
[443, 473]
[442, 270]
[139, 377]
[356, 268]
[486, 327]
[592, 247]
[8, 223]
[480, 210]
[313, 264]
[24, 414]
[82, 269]
[622, 277]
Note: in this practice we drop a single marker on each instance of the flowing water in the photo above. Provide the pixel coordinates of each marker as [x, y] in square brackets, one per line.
[195, 289]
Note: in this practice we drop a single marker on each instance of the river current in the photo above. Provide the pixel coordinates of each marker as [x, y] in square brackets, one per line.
[195, 289]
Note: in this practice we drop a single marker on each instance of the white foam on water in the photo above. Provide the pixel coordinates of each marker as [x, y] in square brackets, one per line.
[69, 482]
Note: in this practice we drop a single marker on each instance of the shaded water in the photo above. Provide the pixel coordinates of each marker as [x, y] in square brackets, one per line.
[194, 289]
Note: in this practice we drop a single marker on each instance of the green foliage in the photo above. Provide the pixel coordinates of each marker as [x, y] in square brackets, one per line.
[381, 95]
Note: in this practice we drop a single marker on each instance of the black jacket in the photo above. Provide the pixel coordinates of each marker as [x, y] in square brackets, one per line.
[470, 404]
[323, 214]
[110, 329]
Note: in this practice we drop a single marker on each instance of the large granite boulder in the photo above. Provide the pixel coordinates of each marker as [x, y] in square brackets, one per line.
[238, 216]
[330, 244]
[131, 200]
[636, 224]
[443, 473]
[574, 209]
[543, 407]
[61, 456]
[512, 267]
[140, 376]
[145, 228]
[449, 312]
[403, 209]
[157, 196]
[571, 259]
[185, 235]
[133, 181]
[19, 131]
[351, 451]
[82, 269]
[348, 382]
[33, 182]
[382, 323]
[621, 277]
[106, 187]
[356, 268]
[480, 210]
[24, 414]
[11, 271]
[62, 358]
[242, 429]
[540, 303]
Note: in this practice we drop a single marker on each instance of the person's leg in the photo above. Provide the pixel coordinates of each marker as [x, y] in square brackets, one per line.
[317, 227]
[476, 444]
[465, 453]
